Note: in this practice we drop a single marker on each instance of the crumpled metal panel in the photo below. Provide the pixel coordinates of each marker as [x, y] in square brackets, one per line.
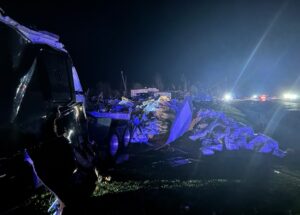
[182, 121]
[36, 37]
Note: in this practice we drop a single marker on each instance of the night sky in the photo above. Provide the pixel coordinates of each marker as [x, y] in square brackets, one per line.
[210, 42]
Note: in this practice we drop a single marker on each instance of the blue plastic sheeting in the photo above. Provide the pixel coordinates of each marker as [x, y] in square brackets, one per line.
[182, 121]
[223, 132]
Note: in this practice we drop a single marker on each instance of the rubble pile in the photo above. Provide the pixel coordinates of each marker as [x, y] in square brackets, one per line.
[153, 117]
[163, 120]
[216, 132]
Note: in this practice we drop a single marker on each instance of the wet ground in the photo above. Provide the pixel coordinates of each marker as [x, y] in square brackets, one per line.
[177, 180]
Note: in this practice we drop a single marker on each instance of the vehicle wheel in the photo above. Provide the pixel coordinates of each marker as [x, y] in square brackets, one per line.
[113, 145]
[126, 138]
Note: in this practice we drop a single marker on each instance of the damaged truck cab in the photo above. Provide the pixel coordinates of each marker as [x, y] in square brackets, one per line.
[43, 125]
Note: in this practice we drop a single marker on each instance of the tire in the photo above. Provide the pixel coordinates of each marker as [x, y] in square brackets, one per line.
[113, 145]
[126, 138]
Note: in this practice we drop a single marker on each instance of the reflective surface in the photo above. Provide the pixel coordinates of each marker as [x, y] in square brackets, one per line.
[114, 145]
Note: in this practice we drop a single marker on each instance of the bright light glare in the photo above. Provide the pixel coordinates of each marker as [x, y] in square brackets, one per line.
[227, 97]
[290, 96]
[254, 96]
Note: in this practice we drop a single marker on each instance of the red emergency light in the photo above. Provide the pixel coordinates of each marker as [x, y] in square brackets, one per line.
[263, 98]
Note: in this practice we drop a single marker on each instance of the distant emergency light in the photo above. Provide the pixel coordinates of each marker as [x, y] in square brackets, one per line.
[263, 98]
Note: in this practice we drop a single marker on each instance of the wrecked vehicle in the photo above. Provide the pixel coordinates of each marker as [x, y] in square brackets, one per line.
[43, 125]
[111, 129]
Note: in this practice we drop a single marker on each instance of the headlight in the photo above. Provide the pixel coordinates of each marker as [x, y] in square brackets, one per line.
[254, 96]
[290, 96]
[227, 97]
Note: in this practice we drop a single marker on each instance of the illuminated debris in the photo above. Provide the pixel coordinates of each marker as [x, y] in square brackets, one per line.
[182, 121]
[155, 118]
[139, 92]
[265, 144]
[139, 136]
[126, 102]
[216, 132]
[202, 133]
[207, 151]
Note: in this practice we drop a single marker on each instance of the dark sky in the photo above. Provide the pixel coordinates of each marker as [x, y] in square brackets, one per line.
[208, 41]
